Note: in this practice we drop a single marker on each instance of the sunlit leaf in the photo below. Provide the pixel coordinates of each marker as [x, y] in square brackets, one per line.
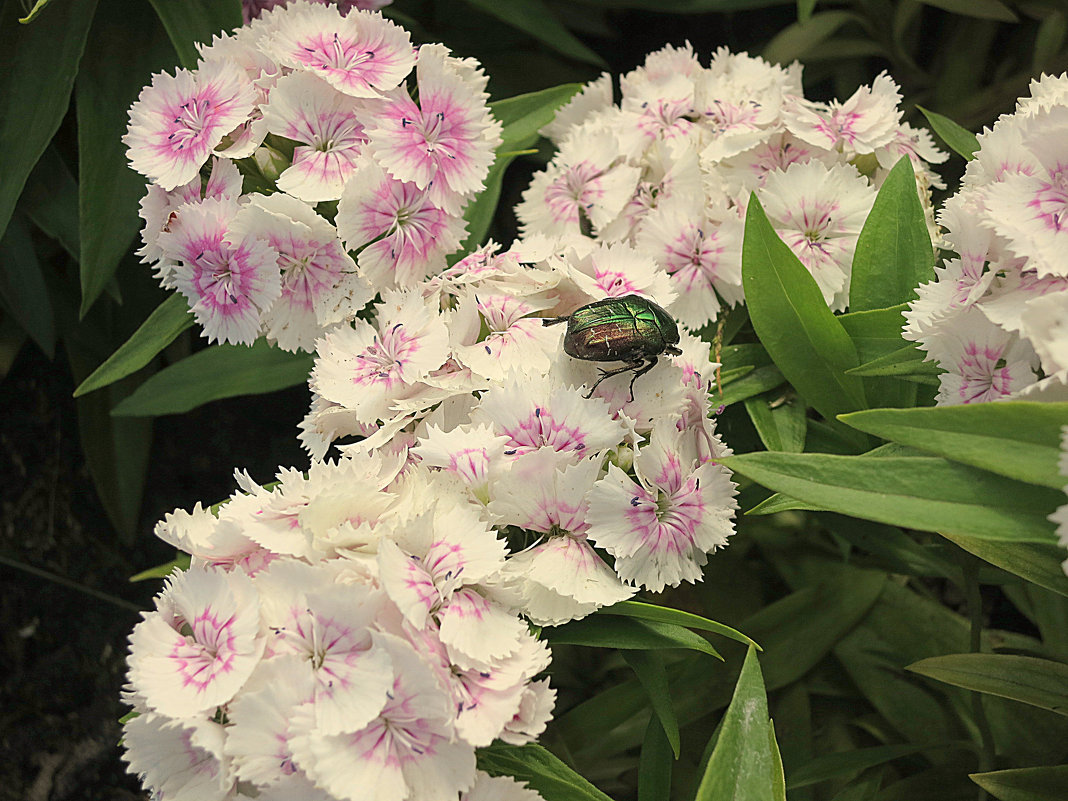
[960, 140]
[536, 767]
[793, 322]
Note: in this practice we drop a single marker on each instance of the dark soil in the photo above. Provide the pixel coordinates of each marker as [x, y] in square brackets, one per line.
[66, 605]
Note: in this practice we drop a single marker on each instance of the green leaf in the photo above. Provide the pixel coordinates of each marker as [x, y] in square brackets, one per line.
[781, 423]
[539, 769]
[752, 382]
[170, 318]
[116, 450]
[50, 200]
[221, 371]
[800, 629]
[38, 7]
[536, 19]
[782, 503]
[524, 115]
[627, 634]
[106, 86]
[980, 9]
[798, 40]
[742, 765]
[894, 253]
[960, 140]
[180, 562]
[38, 63]
[188, 22]
[929, 494]
[654, 764]
[906, 361]
[1047, 783]
[1038, 682]
[875, 332]
[793, 322]
[1049, 39]
[901, 553]
[649, 668]
[850, 763]
[664, 614]
[1017, 439]
[23, 289]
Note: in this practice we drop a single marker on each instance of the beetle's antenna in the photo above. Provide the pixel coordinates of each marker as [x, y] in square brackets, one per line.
[553, 320]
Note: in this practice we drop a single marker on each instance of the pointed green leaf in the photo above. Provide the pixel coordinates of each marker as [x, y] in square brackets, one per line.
[894, 253]
[1047, 783]
[535, 18]
[875, 332]
[649, 668]
[1038, 682]
[1038, 562]
[536, 767]
[782, 503]
[664, 614]
[50, 200]
[1017, 439]
[929, 494]
[906, 361]
[742, 765]
[221, 371]
[850, 763]
[749, 382]
[799, 630]
[524, 115]
[654, 764]
[191, 21]
[793, 322]
[23, 289]
[960, 140]
[781, 423]
[106, 86]
[38, 63]
[180, 562]
[38, 7]
[627, 634]
[170, 318]
[980, 9]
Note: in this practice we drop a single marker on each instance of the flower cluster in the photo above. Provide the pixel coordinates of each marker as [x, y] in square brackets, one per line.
[996, 318]
[335, 637]
[295, 142]
[670, 168]
[462, 376]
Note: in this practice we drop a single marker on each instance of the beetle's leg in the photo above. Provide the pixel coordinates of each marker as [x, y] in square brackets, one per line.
[634, 365]
[641, 370]
[585, 223]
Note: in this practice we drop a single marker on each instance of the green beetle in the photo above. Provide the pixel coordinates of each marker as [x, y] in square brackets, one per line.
[629, 329]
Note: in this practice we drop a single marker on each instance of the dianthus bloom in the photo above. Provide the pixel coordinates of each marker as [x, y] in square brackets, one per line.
[308, 106]
[996, 318]
[460, 376]
[669, 170]
[336, 637]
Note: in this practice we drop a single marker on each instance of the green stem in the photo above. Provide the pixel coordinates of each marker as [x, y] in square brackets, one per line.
[970, 571]
[70, 583]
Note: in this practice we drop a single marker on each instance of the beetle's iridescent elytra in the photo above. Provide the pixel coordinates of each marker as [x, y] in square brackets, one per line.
[629, 329]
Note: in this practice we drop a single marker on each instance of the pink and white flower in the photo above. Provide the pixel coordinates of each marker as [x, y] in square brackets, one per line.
[404, 237]
[178, 120]
[307, 110]
[445, 143]
[200, 645]
[362, 54]
[661, 528]
[179, 759]
[229, 280]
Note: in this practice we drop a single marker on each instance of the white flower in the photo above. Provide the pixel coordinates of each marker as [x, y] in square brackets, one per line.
[178, 759]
